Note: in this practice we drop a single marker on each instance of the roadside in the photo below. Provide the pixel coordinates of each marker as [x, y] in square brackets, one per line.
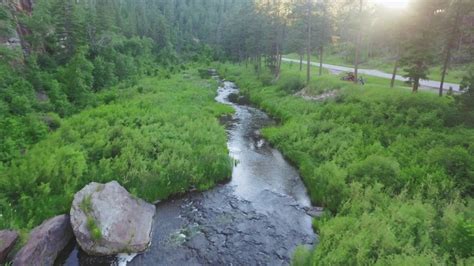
[432, 84]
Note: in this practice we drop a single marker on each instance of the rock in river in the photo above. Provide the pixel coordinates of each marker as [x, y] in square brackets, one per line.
[46, 242]
[107, 220]
[7, 242]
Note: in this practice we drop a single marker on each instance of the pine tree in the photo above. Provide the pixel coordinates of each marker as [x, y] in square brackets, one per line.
[418, 50]
[452, 29]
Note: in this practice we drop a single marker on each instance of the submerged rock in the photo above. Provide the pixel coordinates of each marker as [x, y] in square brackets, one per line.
[46, 242]
[8, 239]
[108, 220]
[238, 99]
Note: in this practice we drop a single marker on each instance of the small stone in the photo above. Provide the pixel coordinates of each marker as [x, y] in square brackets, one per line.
[8, 239]
[45, 243]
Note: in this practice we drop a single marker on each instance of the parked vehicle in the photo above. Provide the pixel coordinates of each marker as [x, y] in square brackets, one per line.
[351, 77]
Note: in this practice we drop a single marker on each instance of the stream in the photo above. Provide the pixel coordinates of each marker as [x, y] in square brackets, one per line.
[258, 218]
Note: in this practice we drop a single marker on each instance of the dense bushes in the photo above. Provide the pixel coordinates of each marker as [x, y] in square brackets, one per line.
[266, 78]
[290, 84]
[377, 168]
[330, 181]
[42, 85]
[161, 141]
[395, 179]
[466, 100]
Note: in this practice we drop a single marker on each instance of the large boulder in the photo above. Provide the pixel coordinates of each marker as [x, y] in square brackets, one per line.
[45, 243]
[8, 239]
[107, 220]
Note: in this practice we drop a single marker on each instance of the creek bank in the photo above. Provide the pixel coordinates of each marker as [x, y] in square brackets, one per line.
[258, 218]
[105, 221]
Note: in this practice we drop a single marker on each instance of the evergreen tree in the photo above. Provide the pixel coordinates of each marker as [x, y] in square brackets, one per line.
[418, 50]
[77, 77]
[452, 29]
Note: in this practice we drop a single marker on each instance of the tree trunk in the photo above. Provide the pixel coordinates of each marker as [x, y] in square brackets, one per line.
[359, 37]
[321, 50]
[259, 63]
[279, 65]
[445, 68]
[449, 46]
[301, 62]
[416, 84]
[394, 74]
[277, 62]
[308, 46]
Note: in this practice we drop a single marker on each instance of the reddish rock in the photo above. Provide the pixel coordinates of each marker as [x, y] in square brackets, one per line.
[8, 239]
[45, 243]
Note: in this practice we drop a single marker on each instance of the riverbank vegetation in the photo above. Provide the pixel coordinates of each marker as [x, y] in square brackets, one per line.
[393, 170]
[109, 90]
[157, 138]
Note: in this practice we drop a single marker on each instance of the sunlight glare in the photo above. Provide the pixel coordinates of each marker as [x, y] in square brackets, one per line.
[393, 3]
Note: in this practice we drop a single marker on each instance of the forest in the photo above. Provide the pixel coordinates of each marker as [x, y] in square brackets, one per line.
[118, 90]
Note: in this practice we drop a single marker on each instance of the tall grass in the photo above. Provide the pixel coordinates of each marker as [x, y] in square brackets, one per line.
[158, 138]
[394, 178]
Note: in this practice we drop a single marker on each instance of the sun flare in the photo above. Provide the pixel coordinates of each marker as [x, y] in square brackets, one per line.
[393, 3]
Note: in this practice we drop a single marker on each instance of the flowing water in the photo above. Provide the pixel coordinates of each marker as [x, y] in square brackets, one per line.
[258, 218]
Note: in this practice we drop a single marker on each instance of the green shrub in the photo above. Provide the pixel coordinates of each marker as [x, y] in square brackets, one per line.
[52, 120]
[103, 73]
[409, 201]
[458, 164]
[301, 256]
[290, 84]
[266, 78]
[377, 169]
[162, 142]
[328, 186]
[325, 84]
[77, 78]
[204, 73]
[457, 229]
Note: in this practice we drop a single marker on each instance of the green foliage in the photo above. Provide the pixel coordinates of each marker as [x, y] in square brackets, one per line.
[266, 78]
[163, 141]
[301, 256]
[331, 183]
[94, 230]
[204, 73]
[396, 179]
[467, 83]
[457, 234]
[418, 50]
[325, 84]
[77, 78]
[290, 84]
[86, 207]
[377, 169]
[104, 74]
[466, 100]
[458, 164]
